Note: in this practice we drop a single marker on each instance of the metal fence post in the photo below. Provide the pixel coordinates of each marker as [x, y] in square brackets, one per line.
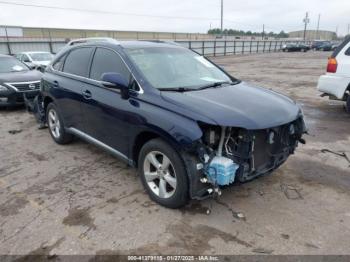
[257, 46]
[270, 46]
[203, 48]
[234, 47]
[215, 48]
[264, 46]
[243, 47]
[225, 46]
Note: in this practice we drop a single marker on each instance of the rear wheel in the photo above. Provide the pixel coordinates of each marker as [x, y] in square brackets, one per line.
[56, 127]
[348, 104]
[163, 174]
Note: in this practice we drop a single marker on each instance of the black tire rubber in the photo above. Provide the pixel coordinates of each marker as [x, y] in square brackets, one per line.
[181, 196]
[64, 138]
[348, 104]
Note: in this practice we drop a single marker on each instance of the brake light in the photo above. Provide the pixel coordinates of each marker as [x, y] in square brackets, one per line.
[332, 65]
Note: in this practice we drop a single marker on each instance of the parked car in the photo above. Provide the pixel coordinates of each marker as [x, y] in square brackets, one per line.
[35, 60]
[326, 46]
[16, 80]
[188, 125]
[317, 43]
[293, 47]
[336, 82]
[334, 46]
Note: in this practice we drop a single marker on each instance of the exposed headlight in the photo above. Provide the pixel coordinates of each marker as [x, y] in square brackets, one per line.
[291, 129]
[271, 138]
[3, 88]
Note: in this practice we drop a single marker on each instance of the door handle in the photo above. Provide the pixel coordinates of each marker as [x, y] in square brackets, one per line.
[87, 94]
[55, 84]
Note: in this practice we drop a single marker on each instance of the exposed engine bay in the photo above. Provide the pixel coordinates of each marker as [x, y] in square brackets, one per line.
[229, 154]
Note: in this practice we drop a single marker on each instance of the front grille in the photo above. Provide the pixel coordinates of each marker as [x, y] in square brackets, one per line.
[25, 86]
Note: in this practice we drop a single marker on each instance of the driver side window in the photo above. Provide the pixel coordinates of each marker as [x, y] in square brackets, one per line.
[107, 61]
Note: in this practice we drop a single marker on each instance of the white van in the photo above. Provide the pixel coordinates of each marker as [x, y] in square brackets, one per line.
[336, 82]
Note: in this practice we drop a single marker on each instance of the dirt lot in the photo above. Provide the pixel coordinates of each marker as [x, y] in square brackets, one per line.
[76, 199]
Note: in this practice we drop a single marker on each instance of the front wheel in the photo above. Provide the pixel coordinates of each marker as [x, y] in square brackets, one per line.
[163, 174]
[56, 127]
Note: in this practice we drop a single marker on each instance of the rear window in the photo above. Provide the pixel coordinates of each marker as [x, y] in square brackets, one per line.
[347, 52]
[340, 47]
[77, 61]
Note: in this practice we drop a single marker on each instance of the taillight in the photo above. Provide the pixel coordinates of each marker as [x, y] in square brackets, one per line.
[332, 65]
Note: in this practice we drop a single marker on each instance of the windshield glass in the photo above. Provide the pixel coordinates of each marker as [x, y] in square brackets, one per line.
[166, 67]
[11, 64]
[41, 56]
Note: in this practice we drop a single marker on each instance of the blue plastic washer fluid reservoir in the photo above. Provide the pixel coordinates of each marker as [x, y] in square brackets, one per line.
[222, 171]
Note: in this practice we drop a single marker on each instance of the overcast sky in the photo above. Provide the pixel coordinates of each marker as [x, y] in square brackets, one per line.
[184, 15]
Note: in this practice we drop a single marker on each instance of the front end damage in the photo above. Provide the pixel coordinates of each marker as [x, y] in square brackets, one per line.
[227, 154]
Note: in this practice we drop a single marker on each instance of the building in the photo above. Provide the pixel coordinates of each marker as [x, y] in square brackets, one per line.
[314, 35]
[33, 32]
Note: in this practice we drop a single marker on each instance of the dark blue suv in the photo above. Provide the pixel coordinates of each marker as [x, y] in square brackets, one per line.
[187, 125]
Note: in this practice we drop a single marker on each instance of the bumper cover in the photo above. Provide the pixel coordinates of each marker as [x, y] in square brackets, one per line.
[333, 85]
[16, 98]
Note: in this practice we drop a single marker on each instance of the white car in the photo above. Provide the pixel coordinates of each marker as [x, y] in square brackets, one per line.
[35, 59]
[336, 82]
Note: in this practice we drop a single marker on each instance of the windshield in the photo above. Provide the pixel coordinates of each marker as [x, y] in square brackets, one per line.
[11, 64]
[166, 67]
[41, 56]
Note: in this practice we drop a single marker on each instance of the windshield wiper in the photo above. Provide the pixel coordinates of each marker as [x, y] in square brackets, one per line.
[178, 89]
[215, 84]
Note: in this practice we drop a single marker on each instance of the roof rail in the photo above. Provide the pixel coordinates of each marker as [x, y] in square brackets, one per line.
[91, 40]
[163, 41]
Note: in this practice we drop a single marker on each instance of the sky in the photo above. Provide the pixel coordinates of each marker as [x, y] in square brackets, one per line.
[178, 15]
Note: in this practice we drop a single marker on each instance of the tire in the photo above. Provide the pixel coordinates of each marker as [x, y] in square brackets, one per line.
[56, 127]
[168, 184]
[348, 104]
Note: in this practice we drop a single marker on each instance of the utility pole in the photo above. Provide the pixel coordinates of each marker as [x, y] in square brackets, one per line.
[318, 26]
[222, 17]
[336, 31]
[263, 32]
[306, 20]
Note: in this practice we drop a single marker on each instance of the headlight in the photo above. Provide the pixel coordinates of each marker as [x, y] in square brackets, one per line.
[3, 88]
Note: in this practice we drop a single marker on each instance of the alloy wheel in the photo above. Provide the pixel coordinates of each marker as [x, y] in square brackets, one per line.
[54, 123]
[159, 174]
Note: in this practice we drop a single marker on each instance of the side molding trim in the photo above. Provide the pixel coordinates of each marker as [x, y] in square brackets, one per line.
[98, 143]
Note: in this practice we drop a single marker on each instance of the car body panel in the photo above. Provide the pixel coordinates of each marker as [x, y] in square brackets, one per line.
[336, 84]
[174, 116]
[240, 105]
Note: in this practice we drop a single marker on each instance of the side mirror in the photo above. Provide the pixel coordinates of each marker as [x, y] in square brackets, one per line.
[116, 80]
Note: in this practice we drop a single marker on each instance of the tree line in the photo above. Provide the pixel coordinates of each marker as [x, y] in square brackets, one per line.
[233, 32]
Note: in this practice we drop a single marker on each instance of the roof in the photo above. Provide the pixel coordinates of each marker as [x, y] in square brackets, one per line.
[125, 44]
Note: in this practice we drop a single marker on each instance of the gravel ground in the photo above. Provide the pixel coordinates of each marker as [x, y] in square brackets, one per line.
[77, 199]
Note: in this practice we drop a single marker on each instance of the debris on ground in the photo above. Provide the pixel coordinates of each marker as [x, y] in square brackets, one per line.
[262, 250]
[340, 153]
[235, 214]
[15, 131]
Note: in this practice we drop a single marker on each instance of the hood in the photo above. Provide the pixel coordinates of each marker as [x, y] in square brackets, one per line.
[24, 76]
[240, 105]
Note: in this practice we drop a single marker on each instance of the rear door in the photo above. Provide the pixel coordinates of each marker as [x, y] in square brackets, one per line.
[68, 82]
[106, 113]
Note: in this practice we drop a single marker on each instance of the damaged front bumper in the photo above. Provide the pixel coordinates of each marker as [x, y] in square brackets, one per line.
[256, 152]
